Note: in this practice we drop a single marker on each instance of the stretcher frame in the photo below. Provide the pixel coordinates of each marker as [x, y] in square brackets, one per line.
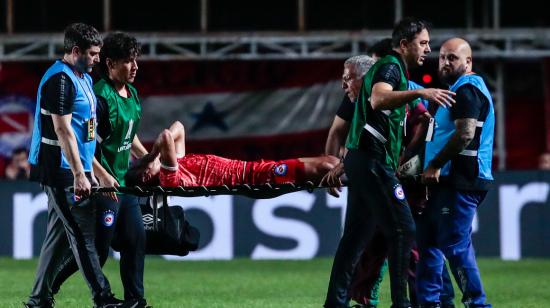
[253, 191]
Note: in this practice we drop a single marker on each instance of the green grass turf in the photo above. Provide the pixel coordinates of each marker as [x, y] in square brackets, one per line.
[246, 283]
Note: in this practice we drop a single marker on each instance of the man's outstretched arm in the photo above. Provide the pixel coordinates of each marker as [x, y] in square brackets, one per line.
[383, 96]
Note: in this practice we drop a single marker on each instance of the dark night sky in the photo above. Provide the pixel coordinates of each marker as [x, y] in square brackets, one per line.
[253, 15]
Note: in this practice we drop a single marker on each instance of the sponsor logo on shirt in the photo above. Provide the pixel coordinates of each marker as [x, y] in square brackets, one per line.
[124, 147]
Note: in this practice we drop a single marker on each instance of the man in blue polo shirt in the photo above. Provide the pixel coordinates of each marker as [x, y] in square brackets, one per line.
[61, 155]
[458, 169]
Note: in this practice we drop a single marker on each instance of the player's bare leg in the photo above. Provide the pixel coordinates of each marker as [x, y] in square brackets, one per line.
[172, 138]
[164, 146]
[178, 135]
[167, 150]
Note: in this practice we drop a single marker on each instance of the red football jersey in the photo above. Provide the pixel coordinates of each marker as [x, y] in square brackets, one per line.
[212, 170]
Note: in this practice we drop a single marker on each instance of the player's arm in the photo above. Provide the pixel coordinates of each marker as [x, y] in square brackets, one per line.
[420, 120]
[419, 136]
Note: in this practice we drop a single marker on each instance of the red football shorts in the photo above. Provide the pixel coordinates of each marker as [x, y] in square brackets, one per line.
[275, 172]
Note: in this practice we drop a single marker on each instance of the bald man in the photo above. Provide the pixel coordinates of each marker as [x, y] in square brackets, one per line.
[458, 170]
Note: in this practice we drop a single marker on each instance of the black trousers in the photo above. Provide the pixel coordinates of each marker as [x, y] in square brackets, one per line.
[121, 221]
[376, 198]
[70, 237]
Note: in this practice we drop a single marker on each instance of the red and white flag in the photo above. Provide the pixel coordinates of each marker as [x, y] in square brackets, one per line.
[16, 120]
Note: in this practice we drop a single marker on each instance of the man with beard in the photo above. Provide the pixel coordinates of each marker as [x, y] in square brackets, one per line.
[61, 155]
[374, 144]
[458, 169]
[118, 118]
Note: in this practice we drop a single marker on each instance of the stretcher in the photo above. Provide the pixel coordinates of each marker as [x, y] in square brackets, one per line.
[263, 191]
[254, 191]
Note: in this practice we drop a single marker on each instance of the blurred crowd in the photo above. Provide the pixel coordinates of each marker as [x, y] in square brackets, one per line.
[544, 161]
[17, 166]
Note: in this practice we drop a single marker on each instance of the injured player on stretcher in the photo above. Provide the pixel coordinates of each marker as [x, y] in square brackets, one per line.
[188, 170]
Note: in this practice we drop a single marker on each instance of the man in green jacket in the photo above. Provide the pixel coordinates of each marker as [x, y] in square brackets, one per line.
[374, 144]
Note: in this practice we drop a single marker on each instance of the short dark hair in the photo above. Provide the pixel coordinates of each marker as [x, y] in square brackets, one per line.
[82, 36]
[407, 29]
[19, 150]
[118, 46]
[381, 48]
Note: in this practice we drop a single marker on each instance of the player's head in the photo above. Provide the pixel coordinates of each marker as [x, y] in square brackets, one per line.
[380, 49]
[136, 174]
[119, 57]
[411, 39]
[82, 44]
[455, 60]
[354, 69]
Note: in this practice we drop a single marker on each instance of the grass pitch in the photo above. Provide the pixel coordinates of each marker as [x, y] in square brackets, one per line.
[245, 283]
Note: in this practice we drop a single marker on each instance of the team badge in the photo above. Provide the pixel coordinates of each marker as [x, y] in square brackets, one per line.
[398, 192]
[280, 170]
[108, 218]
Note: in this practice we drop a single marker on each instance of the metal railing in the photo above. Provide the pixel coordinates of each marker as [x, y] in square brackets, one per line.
[487, 44]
